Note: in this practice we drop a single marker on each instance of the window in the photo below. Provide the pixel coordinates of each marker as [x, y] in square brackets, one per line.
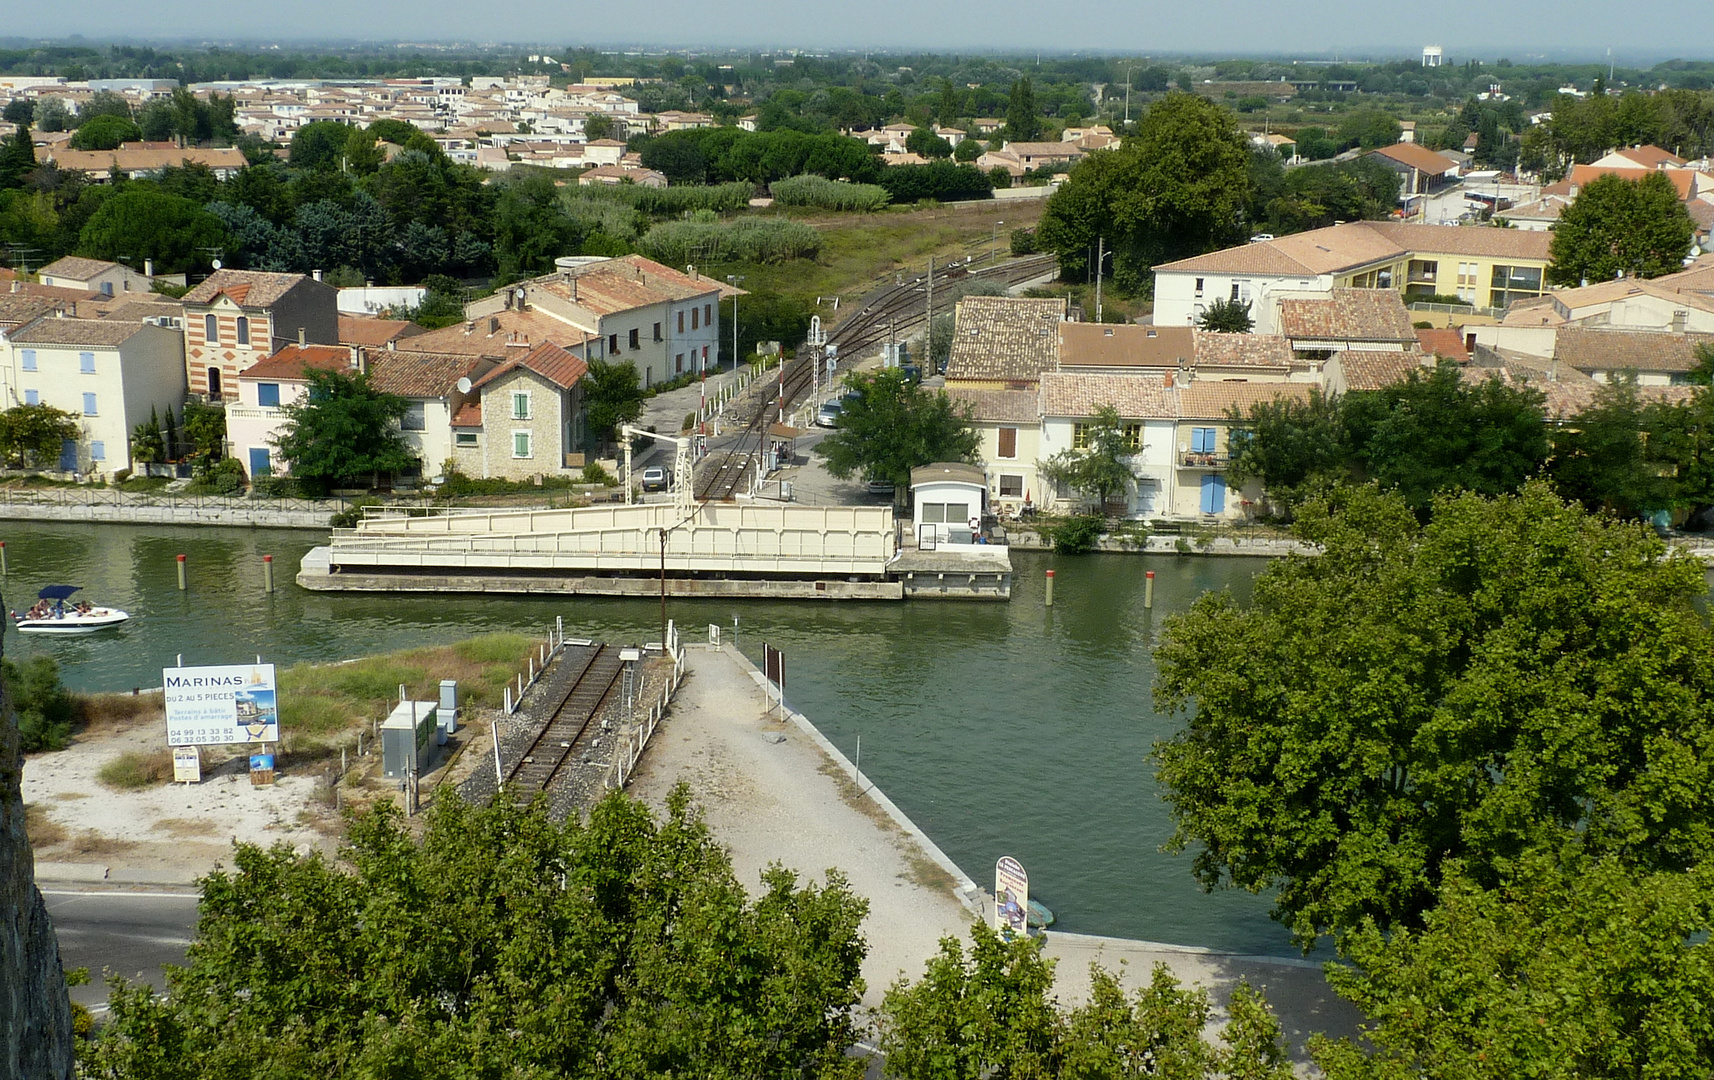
[98, 451]
[658, 332]
[1133, 437]
[681, 322]
[705, 356]
[1008, 442]
[678, 364]
[268, 395]
[106, 288]
[261, 464]
[1080, 436]
[1514, 283]
[943, 513]
[86, 363]
[708, 314]
[89, 404]
[414, 418]
[695, 318]
[29, 356]
[31, 397]
[1203, 440]
[1234, 292]
[243, 330]
[634, 333]
[521, 444]
[521, 406]
[612, 344]
[1011, 487]
[211, 329]
[1199, 286]
[214, 384]
[464, 438]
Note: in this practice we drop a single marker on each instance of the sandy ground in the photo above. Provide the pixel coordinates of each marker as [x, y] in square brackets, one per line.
[785, 799]
[168, 833]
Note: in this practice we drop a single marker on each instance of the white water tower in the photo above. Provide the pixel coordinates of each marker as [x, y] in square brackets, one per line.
[1432, 55]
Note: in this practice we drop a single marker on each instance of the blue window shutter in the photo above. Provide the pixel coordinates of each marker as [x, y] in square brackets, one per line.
[86, 363]
[29, 359]
[98, 451]
[1213, 494]
[1202, 440]
[89, 404]
[32, 397]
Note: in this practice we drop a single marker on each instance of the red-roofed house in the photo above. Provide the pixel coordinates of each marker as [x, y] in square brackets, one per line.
[524, 418]
[236, 318]
[262, 390]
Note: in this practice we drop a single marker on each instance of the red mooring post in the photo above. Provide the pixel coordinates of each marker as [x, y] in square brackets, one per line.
[1149, 590]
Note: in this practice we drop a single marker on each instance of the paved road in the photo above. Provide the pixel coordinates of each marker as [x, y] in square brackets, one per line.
[129, 933]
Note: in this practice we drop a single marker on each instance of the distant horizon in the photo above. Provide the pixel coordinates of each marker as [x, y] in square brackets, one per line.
[1576, 31]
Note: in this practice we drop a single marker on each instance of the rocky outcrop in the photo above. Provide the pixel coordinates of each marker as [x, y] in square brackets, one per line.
[35, 1014]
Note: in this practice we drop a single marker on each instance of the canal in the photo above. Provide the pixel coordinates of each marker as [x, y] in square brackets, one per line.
[999, 728]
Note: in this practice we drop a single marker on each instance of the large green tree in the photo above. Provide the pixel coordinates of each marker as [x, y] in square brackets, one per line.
[1023, 121]
[1515, 676]
[1176, 188]
[502, 944]
[891, 426]
[1296, 448]
[105, 133]
[1101, 468]
[1618, 227]
[33, 434]
[142, 222]
[17, 157]
[342, 430]
[612, 395]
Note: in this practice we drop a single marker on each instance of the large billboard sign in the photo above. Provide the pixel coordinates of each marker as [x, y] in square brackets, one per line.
[212, 706]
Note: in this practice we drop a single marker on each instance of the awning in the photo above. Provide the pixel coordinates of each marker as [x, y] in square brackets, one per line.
[57, 592]
[784, 431]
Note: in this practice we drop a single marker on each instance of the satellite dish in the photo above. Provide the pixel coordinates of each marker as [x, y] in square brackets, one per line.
[521, 295]
[463, 385]
[215, 263]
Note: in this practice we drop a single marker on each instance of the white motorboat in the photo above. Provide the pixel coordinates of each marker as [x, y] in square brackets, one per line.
[51, 615]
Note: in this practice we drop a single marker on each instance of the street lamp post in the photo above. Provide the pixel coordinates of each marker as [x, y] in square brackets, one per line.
[995, 240]
[733, 280]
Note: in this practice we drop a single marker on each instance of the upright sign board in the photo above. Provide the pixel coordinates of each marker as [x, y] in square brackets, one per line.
[214, 706]
[1011, 897]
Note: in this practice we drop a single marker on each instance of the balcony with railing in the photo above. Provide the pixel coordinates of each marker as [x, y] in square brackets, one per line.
[1203, 459]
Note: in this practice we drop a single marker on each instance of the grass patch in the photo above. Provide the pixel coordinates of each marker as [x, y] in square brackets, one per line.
[96, 711]
[132, 770]
[188, 827]
[42, 830]
[90, 842]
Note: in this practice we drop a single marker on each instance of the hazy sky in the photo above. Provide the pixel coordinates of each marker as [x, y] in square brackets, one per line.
[1649, 29]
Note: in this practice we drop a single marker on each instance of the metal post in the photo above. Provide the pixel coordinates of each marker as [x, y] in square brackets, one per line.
[1050, 588]
[664, 644]
[2, 558]
[499, 776]
[267, 573]
[181, 573]
[1100, 259]
[1148, 590]
[859, 765]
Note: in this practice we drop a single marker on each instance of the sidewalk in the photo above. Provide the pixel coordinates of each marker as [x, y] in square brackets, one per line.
[794, 801]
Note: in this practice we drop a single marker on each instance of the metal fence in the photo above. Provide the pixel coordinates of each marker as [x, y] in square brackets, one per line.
[89, 496]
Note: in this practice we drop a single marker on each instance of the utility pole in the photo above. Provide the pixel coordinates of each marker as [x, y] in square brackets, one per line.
[1100, 260]
[928, 316]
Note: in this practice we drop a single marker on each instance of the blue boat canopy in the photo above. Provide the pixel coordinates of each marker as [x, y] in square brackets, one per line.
[57, 592]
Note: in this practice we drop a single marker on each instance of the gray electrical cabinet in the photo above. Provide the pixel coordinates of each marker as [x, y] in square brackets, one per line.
[397, 736]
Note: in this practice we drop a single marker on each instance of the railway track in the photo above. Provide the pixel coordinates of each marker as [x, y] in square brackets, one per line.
[722, 480]
[595, 672]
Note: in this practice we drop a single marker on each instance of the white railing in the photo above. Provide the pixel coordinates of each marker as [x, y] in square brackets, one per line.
[550, 647]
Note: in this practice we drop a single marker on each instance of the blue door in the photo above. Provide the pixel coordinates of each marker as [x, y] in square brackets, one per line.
[259, 462]
[1213, 494]
[68, 455]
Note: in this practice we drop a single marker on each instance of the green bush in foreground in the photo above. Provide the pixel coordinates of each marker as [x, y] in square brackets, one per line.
[45, 708]
[1075, 535]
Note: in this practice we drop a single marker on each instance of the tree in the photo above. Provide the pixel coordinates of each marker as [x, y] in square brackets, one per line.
[31, 435]
[1577, 967]
[990, 1012]
[892, 426]
[598, 126]
[1100, 469]
[45, 709]
[1023, 121]
[148, 445]
[928, 144]
[202, 434]
[967, 151]
[502, 943]
[1419, 701]
[1367, 128]
[1227, 317]
[1442, 432]
[20, 110]
[52, 115]
[443, 303]
[319, 145]
[140, 222]
[343, 429]
[105, 133]
[1603, 457]
[612, 395]
[1174, 189]
[1618, 227]
[17, 158]
[1296, 448]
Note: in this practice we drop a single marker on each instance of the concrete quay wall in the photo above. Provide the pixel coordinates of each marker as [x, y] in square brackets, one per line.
[164, 513]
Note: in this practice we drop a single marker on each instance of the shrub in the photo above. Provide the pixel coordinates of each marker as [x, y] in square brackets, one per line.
[132, 770]
[758, 240]
[224, 477]
[672, 201]
[825, 194]
[1023, 242]
[352, 514]
[593, 473]
[45, 709]
[1075, 535]
[940, 180]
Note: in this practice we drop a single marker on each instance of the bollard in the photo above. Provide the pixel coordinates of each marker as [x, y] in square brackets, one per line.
[181, 574]
[2, 558]
[1149, 590]
[267, 573]
[1050, 588]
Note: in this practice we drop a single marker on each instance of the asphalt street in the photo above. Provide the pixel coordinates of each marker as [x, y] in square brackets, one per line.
[133, 934]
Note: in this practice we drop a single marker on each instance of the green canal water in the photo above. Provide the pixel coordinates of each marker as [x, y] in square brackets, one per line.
[1001, 729]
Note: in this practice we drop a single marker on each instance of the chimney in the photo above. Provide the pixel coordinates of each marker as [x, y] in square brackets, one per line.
[1169, 380]
[362, 360]
[316, 274]
[302, 340]
[691, 270]
[391, 344]
[148, 268]
[493, 324]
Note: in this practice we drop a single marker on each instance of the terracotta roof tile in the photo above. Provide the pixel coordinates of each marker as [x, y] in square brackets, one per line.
[1369, 370]
[1262, 351]
[408, 373]
[1608, 350]
[469, 414]
[1444, 342]
[1125, 345]
[78, 269]
[359, 330]
[1417, 157]
[1206, 399]
[1347, 315]
[997, 406]
[549, 361]
[1004, 337]
[501, 334]
[1359, 243]
[247, 288]
[106, 333]
[291, 361]
[19, 308]
[1136, 397]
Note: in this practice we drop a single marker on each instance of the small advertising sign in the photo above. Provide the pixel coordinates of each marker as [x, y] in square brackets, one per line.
[1011, 897]
[215, 706]
[187, 765]
[261, 769]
